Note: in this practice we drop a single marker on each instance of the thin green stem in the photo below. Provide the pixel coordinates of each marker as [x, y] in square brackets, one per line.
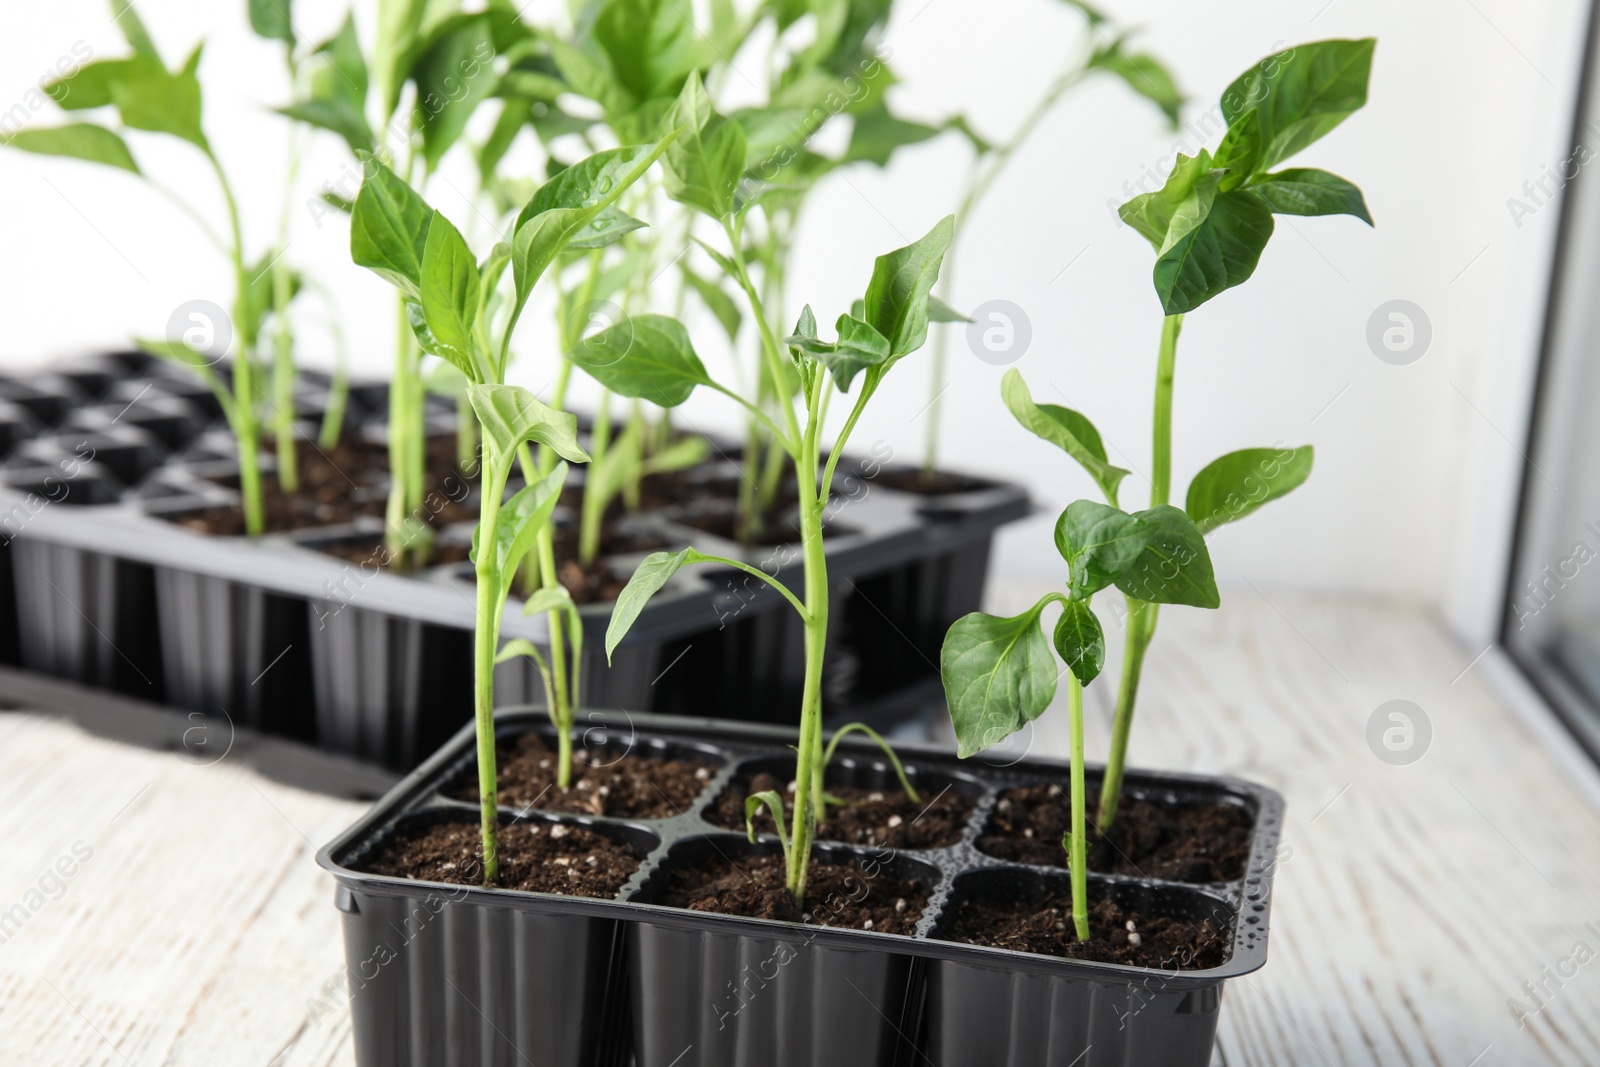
[486, 638]
[894, 760]
[1142, 615]
[1078, 838]
[245, 427]
[772, 351]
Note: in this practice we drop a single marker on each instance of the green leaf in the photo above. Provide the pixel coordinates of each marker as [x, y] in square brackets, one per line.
[78, 140]
[1152, 213]
[1080, 641]
[1144, 74]
[337, 116]
[1066, 429]
[90, 85]
[339, 70]
[859, 346]
[399, 23]
[653, 572]
[1240, 147]
[149, 98]
[449, 283]
[707, 160]
[717, 302]
[1099, 544]
[1300, 94]
[648, 357]
[523, 516]
[878, 135]
[1238, 483]
[939, 311]
[583, 185]
[682, 454]
[590, 77]
[651, 43]
[1175, 566]
[774, 804]
[270, 19]
[1307, 191]
[1219, 253]
[133, 31]
[510, 415]
[549, 598]
[389, 229]
[543, 233]
[453, 77]
[896, 303]
[998, 676]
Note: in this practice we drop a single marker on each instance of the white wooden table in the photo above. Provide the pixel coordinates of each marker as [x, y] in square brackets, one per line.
[1413, 902]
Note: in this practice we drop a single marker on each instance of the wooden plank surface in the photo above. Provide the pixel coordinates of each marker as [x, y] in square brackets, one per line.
[1413, 902]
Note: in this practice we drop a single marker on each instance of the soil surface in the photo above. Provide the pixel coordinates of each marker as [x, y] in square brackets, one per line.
[1046, 929]
[338, 486]
[536, 857]
[1193, 843]
[849, 895]
[604, 781]
[867, 817]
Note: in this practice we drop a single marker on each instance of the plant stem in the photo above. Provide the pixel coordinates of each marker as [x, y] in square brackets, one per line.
[1142, 615]
[1079, 853]
[244, 392]
[399, 426]
[979, 180]
[283, 379]
[486, 639]
[466, 434]
[808, 769]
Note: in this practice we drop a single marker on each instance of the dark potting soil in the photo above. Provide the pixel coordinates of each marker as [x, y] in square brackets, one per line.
[860, 896]
[938, 484]
[536, 857]
[1193, 843]
[338, 486]
[1046, 929]
[606, 781]
[599, 582]
[867, 817]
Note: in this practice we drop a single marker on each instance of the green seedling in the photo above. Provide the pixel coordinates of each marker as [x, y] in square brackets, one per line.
[1208, 225]
[450, 61]
[1104, 50]
[446, 292]
[651, 357]
[147, 96]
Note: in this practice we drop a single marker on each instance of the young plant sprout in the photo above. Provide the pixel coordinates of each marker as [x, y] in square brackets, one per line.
[448, 58]
[1209, 224]
[447, 295]
[1104, 52]
[620, 470]
[651, 357]
[774, 801]
[147, 96]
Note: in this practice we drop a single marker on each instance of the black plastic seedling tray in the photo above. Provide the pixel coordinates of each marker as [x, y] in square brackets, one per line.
[464, 976]
[292, 640]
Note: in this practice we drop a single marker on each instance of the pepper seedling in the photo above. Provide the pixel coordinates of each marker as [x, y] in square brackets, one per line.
[149, 97]
[1103, 50]
[1208, 224]
[770, 797]
[446, 293]
[651, 357]
[449, 60]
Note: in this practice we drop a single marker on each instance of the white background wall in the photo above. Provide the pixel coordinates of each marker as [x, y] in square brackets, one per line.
[1470, 99]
